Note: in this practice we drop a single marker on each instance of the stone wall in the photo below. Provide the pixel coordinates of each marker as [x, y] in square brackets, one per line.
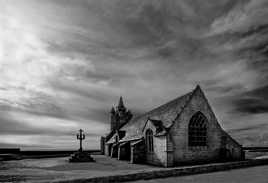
[182, 152]
[169, 152]
[108, 149]
[235, 150]
[159, 155]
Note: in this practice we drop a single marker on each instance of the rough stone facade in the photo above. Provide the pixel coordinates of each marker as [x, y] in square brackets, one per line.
[172, 140]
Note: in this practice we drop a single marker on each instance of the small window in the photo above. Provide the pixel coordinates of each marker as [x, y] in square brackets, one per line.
[198, 130]
[149, 141]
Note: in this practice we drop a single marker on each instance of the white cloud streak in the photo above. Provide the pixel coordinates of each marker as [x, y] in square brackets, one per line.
[64, 63]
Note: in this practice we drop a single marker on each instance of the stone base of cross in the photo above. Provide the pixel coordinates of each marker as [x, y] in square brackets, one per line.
[81, 156]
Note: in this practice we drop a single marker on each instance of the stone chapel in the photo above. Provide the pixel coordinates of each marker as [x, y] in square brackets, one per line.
[182, 131]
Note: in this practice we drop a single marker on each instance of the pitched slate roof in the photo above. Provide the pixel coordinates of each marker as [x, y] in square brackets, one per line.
[160, 129]
[111, 140]
[165, 113]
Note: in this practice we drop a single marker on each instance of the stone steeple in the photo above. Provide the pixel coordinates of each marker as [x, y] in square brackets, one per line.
[121, 108]
[119, 115]
[121, 103]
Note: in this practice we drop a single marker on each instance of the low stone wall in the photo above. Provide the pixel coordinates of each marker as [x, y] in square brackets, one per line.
[169, 172]
[41, 154]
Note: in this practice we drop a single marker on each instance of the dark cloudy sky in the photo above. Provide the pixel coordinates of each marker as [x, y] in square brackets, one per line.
[64, 63]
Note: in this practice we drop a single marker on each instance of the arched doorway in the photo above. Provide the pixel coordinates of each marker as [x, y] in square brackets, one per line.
[149, 143]
[197, 130]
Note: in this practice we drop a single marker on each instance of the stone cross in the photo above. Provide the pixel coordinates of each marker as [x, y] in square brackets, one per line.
[80, 136]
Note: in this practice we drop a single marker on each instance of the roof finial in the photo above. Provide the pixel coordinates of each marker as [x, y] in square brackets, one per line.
[198, 86]
[121, 103]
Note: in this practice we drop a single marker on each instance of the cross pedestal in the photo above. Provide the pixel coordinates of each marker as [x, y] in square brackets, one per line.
[80, 136]
[80, 155]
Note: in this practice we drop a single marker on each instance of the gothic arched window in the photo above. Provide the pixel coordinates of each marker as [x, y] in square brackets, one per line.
[149, 141]
[197, 130]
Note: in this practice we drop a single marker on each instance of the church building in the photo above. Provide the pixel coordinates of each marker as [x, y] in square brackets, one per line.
[182, 131]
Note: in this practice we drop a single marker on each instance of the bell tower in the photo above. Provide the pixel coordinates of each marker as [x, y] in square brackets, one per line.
[121, 109]
[119, 115]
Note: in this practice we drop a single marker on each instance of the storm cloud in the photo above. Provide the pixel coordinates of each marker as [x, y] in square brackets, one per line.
[65, 63]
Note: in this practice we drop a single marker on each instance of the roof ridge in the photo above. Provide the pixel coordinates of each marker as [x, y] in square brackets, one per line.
[186, 103]
[166, 113]
[159, 107]
[155, 109]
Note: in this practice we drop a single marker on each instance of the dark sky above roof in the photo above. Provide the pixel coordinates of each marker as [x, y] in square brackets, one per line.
[65, 63]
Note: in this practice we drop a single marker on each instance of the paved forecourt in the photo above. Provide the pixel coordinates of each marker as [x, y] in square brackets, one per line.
[258, 174]
[105, 169]
[51, 169]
